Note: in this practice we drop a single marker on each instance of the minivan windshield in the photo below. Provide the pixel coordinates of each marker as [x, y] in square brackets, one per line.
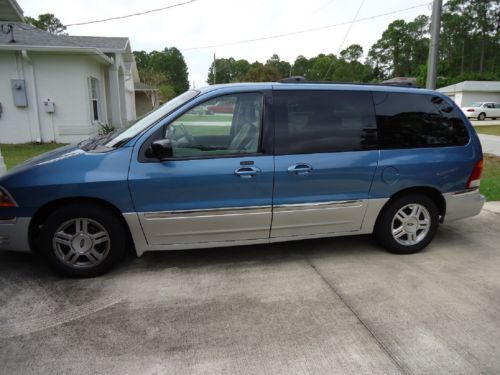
[121, 136]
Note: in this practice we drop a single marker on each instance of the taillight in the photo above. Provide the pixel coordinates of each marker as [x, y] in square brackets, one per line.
[471, 110]
[6, 200]
[475, 177]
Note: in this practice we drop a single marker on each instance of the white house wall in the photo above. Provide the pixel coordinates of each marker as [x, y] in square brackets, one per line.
[15, 123]
[62, 79]
[465, 98]
[471, 97]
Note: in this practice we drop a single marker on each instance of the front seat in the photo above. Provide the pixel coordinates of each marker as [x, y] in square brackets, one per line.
[247, 136]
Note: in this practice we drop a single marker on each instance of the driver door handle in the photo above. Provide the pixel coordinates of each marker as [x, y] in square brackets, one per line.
[300, 169]
[247, 172]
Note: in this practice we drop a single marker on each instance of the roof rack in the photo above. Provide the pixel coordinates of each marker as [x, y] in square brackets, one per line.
[293, 79]
[301, 79]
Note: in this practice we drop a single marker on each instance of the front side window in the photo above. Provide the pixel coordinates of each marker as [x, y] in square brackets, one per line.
[324, 121]
[416, 120]
[227, 125]
[95, 99]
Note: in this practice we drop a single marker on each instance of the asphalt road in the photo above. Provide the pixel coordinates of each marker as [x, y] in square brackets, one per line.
[326, 306]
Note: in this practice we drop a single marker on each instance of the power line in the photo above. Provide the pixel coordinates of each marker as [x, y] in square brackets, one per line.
[302, 31]
[345, 37]
[320, 8]
[131, 15]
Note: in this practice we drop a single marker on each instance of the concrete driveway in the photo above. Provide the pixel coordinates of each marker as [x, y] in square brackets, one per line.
[490, 144]
[327, 306]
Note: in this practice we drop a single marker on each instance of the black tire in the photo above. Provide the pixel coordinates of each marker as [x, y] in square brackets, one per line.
[387, 219]
[97, 220]
[481, 116]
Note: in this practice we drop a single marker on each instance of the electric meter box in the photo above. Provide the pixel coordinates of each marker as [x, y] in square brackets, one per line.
[18, 87]
[50, 107]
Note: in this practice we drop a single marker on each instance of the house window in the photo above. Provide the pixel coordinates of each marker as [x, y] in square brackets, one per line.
[95, 99]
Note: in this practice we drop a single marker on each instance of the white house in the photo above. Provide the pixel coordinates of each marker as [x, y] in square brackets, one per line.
[58, 87]
[468, 92]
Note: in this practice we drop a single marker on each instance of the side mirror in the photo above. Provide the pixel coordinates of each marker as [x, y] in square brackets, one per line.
[161, 149]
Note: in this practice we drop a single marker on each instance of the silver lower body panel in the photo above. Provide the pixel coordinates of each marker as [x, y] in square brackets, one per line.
[460, 205]
[14, 234]
[327, 220]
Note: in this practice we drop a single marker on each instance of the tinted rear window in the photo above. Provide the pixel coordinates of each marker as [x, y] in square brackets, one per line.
[416, 120]
[324, 121]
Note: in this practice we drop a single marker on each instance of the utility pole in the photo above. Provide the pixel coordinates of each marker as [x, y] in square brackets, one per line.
[437, 7]
[214, 71]
[3, 168]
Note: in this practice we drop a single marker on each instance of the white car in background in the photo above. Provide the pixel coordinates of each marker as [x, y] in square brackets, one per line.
[482, 110]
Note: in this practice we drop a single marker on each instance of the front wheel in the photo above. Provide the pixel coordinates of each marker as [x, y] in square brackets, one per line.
[82, 240]
[408, 224]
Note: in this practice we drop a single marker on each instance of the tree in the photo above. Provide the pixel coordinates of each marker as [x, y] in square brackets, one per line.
[239, 70]
[171, 63]
[402, 49]
[259, 72]
[223, 71]
[165, 70]
[141, 60]
[284, 68]
[352, 53]
[157, 80]
[47, 22]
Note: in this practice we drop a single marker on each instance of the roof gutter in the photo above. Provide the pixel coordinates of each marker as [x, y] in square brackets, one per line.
[101, 57]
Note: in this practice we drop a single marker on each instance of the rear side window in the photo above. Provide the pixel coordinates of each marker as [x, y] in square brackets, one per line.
[416, 120]
[324, 121]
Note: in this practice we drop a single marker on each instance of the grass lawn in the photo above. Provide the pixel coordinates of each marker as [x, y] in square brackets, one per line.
[207, 118]
[16, 154]
[490, 180]
[488, 129]
[200, 130]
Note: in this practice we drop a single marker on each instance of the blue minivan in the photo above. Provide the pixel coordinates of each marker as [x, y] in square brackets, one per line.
[282, 161]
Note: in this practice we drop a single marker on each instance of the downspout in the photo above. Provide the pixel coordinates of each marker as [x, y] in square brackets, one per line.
[34, 92]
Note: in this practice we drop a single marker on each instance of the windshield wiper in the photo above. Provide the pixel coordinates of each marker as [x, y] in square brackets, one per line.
[92, 143]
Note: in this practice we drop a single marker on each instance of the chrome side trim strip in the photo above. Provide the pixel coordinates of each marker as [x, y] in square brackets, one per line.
[207, 212]
[465, 192]
[317, 205]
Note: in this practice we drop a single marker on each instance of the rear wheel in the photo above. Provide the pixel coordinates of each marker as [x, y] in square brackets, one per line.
[82, 240]
[408, 224]
[481, 116]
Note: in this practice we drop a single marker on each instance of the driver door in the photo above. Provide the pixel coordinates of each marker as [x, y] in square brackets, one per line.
[217, 186]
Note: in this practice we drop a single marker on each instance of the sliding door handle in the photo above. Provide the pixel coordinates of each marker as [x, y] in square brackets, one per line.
[300, 169]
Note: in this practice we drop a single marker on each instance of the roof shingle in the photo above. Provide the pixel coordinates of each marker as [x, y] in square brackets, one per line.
[29, 35]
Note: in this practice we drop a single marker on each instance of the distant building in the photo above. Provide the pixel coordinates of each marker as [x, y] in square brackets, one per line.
[146, 98]
[468, 92]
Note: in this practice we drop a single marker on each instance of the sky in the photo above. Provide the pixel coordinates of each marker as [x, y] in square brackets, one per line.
[213, 22]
